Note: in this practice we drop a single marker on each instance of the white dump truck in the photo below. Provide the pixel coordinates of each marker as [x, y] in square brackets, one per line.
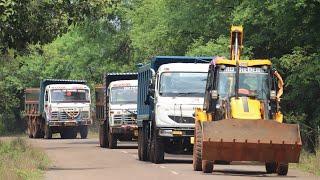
[169, 89]
[118, 121]
[59, 106]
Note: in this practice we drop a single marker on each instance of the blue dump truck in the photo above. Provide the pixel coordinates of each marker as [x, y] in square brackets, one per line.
[169, 89]
[58, 106]
[116, 108]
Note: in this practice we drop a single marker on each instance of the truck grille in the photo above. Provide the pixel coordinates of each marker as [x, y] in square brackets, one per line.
[123, 119]
[182, 119]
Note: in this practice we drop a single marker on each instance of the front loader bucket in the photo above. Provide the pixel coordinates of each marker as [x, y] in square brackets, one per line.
[251, 140]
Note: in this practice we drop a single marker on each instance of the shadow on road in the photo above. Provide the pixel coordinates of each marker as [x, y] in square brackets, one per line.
[178, 161]
[73, 169]
[246, 173]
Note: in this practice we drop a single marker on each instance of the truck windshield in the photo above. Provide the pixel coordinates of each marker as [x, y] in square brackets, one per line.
[252, 82]
[124, 95]
[70, 95]
[187, 84]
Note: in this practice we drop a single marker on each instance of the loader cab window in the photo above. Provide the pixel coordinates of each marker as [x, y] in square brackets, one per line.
[252, 82]
[183, 84]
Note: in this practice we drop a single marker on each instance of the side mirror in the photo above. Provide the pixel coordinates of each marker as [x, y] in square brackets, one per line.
[214, 94]
[273, 95]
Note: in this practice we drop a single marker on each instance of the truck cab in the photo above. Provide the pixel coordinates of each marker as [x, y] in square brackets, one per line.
[179, 90]
[123, 108]
[67, 104]
[169, 90]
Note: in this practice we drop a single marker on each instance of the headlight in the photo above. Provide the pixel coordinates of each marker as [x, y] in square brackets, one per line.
[85, 114]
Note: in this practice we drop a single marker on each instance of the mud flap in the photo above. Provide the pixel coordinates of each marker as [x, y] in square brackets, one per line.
[251, 140]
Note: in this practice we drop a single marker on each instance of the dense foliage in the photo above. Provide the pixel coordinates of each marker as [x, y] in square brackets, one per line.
[71, 39]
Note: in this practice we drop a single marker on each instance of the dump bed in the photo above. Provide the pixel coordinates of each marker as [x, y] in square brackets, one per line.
[145, 75]
[31, 106]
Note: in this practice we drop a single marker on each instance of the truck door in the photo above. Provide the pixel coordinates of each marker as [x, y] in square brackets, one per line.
[46, 103]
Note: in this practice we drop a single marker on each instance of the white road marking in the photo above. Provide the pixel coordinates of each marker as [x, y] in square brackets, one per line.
[162, 167]
[124, 152]
[173, 172]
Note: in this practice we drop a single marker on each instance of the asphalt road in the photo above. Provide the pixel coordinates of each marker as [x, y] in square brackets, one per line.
[84, 159]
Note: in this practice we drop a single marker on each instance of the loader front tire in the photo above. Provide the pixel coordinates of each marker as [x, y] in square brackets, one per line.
[282, 169]
[207, 166]
[197, 148]
[271, 167]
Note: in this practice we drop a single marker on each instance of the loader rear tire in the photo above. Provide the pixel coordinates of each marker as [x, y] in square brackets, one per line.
[207, 166]
[282, 169]
[103, 137]
[271, 167]
[197, 148]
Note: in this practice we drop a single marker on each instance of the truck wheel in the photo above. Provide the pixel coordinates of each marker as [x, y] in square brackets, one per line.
[207, 166]
[143, 142]
[282, 169]
[157, 148]
[29, 129]
[112, 140]
[47, 132]
[73, 133]
[103, 138]
[84, 132]
[271, 167]
[197, 148]
[36, 131]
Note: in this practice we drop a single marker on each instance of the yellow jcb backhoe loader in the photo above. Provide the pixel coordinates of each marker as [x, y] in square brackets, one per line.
[241, 118]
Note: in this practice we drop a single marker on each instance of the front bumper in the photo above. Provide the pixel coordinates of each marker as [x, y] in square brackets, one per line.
[70, 123]
[176, 132]
[125, 129]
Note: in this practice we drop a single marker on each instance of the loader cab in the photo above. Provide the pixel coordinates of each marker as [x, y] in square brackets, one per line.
[245, 97]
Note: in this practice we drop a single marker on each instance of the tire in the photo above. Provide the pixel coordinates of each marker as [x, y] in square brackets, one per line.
[207, 166]
[282, 169]
[47, 132]
[112, 140]
[36, 132]
[157, 148]
[83, 132]
[143, 143]
[197, 148]
[29, 129]
[271, 167]
[103, 138]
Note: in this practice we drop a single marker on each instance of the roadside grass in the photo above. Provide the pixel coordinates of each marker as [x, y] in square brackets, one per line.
[309, 162]
[19, 160]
